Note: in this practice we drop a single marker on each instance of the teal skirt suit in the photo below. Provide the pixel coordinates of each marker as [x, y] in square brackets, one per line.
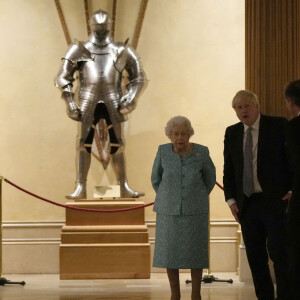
[182, 186]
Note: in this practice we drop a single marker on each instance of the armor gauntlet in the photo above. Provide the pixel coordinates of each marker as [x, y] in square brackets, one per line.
[129, 100]
[73, 110]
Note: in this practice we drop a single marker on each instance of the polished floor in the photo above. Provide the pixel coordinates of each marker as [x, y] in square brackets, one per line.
[44, 287]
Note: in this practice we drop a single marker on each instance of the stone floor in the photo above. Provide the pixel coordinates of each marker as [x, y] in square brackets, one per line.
[49, 286]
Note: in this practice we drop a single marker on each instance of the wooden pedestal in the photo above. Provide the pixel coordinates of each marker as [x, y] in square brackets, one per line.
[105, 245]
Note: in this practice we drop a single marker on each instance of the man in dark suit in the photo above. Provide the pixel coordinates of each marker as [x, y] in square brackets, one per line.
[292, 94]
[256, 185]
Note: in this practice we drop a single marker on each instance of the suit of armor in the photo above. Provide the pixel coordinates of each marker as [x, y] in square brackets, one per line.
[100, 63]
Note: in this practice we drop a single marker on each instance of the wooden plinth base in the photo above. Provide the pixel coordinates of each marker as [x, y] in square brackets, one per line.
[105, 245]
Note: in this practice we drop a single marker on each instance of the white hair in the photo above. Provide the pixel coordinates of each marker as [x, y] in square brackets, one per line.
[178, 120]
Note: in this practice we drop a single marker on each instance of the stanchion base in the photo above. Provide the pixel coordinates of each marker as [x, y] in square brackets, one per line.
[4, 281]
[210, 278]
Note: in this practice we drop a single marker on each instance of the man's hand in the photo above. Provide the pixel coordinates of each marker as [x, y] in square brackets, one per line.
[235, 212]
[287, 196]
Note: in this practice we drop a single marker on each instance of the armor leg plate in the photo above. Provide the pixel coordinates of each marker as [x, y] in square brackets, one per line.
[120, 171]
[83, 164]
[83, 157]
[118, 163]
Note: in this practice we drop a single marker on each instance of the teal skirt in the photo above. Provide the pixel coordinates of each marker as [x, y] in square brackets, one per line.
[181, 242]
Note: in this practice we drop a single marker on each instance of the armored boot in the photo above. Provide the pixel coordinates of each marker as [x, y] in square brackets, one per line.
[120, 170]
[83, 164]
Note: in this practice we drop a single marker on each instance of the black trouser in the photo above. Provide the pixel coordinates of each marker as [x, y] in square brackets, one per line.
[294, 236]
[264, 229]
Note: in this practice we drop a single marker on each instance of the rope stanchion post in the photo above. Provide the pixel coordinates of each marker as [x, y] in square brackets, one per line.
[1, 180]
[4, 281]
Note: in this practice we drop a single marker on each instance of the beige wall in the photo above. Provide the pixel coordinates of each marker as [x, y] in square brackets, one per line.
[193, 54]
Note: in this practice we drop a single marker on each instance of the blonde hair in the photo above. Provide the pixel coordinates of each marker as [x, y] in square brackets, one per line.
[244, 94]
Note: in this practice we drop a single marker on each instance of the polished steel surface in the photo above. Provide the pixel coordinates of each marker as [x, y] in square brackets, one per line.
[100, 63]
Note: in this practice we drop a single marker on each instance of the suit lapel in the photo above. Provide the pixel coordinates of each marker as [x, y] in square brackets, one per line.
[261, 139]
[240, 143]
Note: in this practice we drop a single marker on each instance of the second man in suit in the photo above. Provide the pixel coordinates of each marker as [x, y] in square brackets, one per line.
[292, 94]
[256, 185]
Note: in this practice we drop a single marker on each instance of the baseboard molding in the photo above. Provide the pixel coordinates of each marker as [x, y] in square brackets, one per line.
[33, 246]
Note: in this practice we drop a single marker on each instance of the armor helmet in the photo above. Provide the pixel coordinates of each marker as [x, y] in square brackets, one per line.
[100, 24]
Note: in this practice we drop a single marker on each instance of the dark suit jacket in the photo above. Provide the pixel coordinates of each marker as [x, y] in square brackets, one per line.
[272, 166]
[293, 145]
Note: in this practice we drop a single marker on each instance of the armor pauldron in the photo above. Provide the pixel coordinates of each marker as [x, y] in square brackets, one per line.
[77, 52]
[122, 57]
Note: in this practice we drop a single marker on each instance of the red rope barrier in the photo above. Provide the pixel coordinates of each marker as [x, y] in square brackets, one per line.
[80, 208]
[219, 185]
[74, 207]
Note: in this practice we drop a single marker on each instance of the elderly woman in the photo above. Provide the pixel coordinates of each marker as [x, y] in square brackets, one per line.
[183, 175]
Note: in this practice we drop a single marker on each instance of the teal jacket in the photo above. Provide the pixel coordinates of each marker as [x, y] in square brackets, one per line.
[182, 185]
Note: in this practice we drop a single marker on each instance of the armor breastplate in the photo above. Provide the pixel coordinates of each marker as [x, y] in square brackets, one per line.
[99, 76]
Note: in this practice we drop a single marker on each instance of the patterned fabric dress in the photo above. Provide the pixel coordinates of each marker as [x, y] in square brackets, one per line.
[181, 242]
[182, 186]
